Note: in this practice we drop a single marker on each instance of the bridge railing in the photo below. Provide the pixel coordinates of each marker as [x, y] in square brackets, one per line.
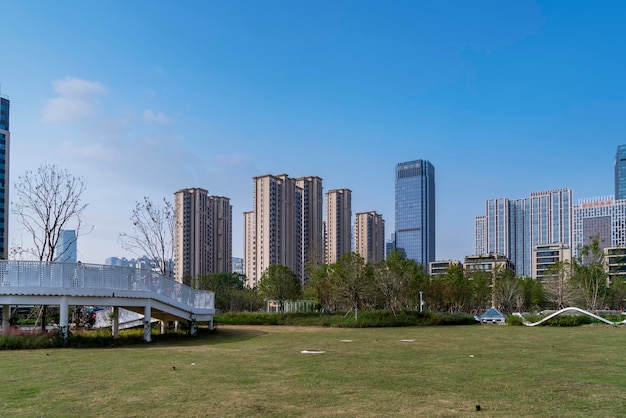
[25, 273]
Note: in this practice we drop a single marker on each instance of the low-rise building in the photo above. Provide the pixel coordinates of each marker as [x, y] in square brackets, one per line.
[615, 263]
[490, 263]
[439, 268]
[545, 256]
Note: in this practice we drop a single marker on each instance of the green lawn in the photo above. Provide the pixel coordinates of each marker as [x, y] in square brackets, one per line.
[260, 371]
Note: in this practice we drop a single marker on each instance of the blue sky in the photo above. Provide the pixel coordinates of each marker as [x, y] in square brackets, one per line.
[144, 98]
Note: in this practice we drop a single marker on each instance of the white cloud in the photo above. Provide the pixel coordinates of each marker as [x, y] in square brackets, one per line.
[150, 116]
[78, 100]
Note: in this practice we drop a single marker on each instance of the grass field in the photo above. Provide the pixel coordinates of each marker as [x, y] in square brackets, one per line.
[260, 371]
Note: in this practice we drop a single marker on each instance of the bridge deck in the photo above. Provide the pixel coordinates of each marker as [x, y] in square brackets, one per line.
[64, 284]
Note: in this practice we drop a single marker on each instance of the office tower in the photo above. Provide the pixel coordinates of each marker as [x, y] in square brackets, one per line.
[338, 224]
[202, 234]
[369, 236]
[601, 217]
[5, 141]
[65, 250]
[273, 229]
[415, 210]
[514, 228]
[620, 172]
[312, 227]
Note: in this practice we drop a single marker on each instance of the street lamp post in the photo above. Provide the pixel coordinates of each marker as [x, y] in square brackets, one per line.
[421, 302]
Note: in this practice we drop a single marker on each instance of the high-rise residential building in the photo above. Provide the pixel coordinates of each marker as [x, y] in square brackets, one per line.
[202, 234]
[415, 210]
[620, 172]
[369, 236]
[312, 223]
[480, 235]
[273, 229]
[601, 217]
[5, 141]
[338, 224]
[515, 227]
[65, 251]
[220, 234]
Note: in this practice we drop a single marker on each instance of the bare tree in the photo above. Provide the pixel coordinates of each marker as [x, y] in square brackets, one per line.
[558, 287]
[153, 234]
[47, 201]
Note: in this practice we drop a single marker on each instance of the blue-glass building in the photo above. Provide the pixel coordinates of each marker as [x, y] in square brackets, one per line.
[620, 172]
[515, 227]
[415, 210]
[4, 176]
[65, 251]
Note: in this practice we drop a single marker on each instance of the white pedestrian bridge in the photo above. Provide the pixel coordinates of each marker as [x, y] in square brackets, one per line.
[66, 284]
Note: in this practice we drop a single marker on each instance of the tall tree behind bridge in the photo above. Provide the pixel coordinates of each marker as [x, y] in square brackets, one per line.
[153, 234]
[47, 201]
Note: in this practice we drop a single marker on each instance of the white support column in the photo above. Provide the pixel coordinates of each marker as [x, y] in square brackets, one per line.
[6, 314]
[115, 323]
[211, 325]
[163, 327]
[63, 318]
[147, 317]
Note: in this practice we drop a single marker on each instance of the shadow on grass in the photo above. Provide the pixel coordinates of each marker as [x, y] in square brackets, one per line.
[128, 339]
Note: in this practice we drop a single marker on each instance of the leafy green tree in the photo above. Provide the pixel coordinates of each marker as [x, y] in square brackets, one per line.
[351, 278]
[281, 283]
[534, 296]
[480, 289]
[398, 281]
[589, 275]
[617, 293]
[228, 288]
[322, 287]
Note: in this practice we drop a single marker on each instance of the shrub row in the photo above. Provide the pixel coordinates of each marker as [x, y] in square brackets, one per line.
[365, 319]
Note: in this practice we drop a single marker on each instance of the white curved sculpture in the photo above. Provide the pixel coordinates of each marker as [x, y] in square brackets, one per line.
[552, 315]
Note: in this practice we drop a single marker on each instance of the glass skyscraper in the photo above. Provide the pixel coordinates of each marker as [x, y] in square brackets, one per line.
[415, 210]
[4, 176]
[66, 247]
[620, 172]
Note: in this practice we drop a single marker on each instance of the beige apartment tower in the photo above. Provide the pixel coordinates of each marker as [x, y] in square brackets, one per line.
[312, 223]
[338, 224]
[369, 236]
[273, 229]
[202, 234]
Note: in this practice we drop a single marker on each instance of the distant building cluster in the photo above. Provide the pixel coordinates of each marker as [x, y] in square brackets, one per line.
[293, 223]
[547, 227]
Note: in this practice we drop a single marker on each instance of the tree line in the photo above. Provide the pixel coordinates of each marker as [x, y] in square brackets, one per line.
[50, 199]
[397, 283]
